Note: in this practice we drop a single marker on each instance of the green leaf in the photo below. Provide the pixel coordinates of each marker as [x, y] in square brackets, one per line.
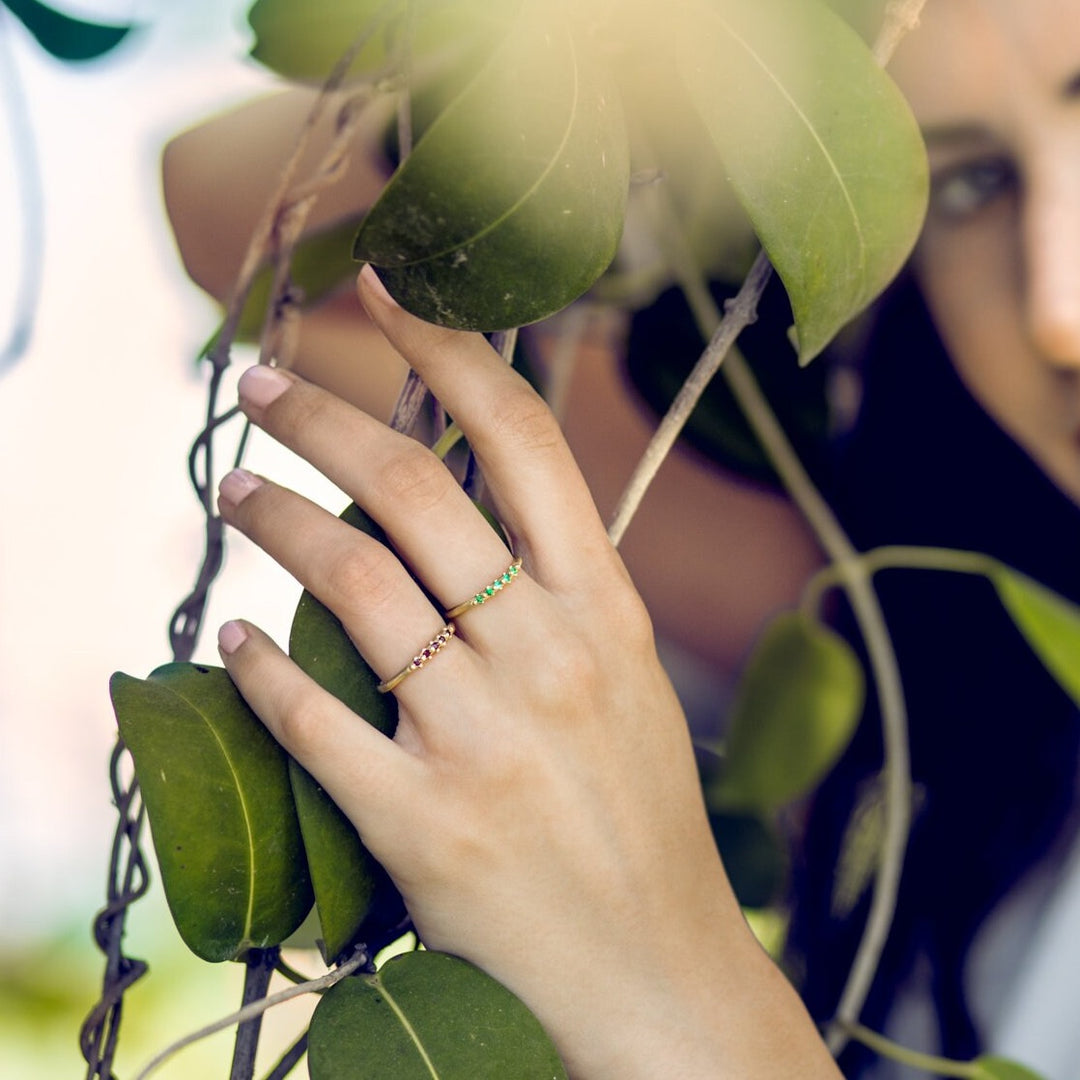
[340, 867]
[1050, 623]
[319, 644]
[343, 873]
[820, 147]
[61, 35]
[216, 789]
[427, 1016]
[306, 41]
[998, 1068]
[794, 712]
[511, 205]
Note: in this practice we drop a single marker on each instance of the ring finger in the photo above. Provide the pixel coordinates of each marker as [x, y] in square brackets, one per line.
[383, 610]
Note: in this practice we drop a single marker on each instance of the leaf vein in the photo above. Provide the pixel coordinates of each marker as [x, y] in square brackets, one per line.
[409, 1030]
[833, 167]
[249, 917]
[532, 189]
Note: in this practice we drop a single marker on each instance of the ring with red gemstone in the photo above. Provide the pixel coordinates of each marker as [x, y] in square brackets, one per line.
[428, 652]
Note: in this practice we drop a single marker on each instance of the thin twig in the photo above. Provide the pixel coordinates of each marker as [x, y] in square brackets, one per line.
[290, 1059]
[721, 332]
[288, 228]
[261, 238]
[256, 1008]
[409, 404]
[897, 557]
[99, 1033]
[901, 17]
[916, 1059]
[741, 312]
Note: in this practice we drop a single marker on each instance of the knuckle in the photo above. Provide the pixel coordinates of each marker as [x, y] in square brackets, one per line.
[521, 419]
[627, 611]
[299, 725]
[357, 572]
[416, 477]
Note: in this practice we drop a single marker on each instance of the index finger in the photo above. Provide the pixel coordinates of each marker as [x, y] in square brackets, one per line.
[539, 492]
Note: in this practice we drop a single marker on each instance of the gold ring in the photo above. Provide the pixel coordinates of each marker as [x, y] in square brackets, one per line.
[487, 593]
[421, 658]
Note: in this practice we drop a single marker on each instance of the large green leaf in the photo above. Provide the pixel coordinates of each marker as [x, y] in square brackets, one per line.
[61, 35]
[216, 789]
[343, 873]
[427, 1016]
[998, 1068]
[319, 644]
[305, 41]
[511, 205]
[820, 147]
[794, 712]
[1050, 623]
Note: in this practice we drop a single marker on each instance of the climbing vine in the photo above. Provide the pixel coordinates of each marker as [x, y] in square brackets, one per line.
[520, 148]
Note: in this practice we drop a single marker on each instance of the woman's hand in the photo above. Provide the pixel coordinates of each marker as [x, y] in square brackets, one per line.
[538, 807]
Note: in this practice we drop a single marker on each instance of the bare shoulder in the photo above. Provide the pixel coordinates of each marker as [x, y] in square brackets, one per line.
[218, 176]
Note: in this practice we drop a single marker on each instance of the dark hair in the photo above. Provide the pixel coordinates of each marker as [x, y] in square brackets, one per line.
[994, 739]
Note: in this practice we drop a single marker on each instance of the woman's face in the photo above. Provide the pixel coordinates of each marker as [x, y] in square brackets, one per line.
[995, 85]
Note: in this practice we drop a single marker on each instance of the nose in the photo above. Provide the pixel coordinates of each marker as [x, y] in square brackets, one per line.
[1052, 261]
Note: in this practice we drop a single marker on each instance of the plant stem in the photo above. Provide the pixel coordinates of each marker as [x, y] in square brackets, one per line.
[930, 1063]
[256, 1008]
[290, 1059]
[260, 966]
[720, 332]
[897, 557]
[901, 17]
[846, 564]
[740, 313]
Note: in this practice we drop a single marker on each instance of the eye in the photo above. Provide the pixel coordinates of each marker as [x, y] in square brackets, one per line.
[958, 192]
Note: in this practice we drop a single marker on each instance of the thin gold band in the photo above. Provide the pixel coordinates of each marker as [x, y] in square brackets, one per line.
[487, 593]
[421, 658]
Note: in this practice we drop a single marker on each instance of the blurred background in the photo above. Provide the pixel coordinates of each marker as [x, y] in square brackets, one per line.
[100, 533]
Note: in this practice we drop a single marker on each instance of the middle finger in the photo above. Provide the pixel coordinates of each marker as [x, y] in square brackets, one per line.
[432, 524]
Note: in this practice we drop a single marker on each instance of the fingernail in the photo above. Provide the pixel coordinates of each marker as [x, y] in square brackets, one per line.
[374, 285]
[261, 384]
[237, 485]
[231, 636]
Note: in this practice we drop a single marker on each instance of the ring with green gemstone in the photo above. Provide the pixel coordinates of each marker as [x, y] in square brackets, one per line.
[486, 593]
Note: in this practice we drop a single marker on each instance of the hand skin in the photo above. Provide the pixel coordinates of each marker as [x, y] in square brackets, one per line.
[539, 806]
[703, 541]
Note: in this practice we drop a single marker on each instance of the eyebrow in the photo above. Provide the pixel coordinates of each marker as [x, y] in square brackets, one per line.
[975, 134]
[958, 135]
